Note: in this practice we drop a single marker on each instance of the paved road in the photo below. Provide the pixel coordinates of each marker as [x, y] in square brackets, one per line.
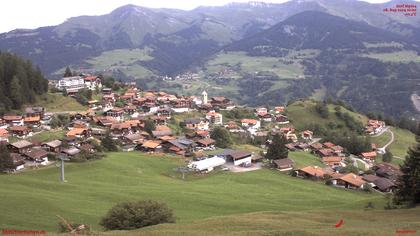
[383, 149]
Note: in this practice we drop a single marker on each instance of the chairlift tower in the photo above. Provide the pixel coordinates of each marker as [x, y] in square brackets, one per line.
[62, 158]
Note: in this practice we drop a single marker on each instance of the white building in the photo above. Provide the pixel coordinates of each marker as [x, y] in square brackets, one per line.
[214, 118]
[71, 83]
[92, 82]
[207, 164]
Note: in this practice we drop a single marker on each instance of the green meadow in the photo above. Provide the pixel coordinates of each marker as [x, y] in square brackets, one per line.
[33, 199]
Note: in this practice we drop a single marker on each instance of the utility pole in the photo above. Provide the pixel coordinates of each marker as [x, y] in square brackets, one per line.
[62, 158]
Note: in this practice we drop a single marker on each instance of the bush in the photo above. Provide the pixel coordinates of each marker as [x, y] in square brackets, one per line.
[134, 215]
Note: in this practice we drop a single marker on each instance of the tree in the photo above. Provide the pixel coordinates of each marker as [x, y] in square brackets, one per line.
[149, 126]
[134, 215]
[16, 93]
[387, 157]
[6, 161]
[408, 187]
[222, 137]
[322, 110]
[277, 148]
[108, 143]
[68, 72]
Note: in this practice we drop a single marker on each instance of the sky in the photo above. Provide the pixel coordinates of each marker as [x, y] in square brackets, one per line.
[30, 14]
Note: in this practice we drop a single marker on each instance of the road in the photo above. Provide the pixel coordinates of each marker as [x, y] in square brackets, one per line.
[383, 149]
[356, 163]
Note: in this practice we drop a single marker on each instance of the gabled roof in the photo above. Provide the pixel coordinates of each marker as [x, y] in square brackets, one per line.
[76, 131]
[32, 119]
[54, 143]
[206, 141]
[314, 171]
[36, 154]
[4, 133]
[370, 155]
[151, 144]
[21, 144]
[284, 162]
[19, 128]
[383, 183]
[71, 151]
[331, 159]
[353, 179]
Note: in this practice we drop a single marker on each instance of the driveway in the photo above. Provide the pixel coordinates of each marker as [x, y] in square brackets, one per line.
[237, 169]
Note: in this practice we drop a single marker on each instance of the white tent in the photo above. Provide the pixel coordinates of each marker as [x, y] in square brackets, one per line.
[207, 164]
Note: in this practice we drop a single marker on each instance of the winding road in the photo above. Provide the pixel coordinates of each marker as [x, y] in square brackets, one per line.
[382, 150]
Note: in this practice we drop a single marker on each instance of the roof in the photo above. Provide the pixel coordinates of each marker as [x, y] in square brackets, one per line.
[21, 144]
[76, 131]
[213, 113]
[353, 179]
[19, 128]
[134, 137]
[36, 154]
[249, 121]
[157, 133]
[71, 151]
[331, 159]
[370, 155]
[284, 162]
[206, 141]
[151, 144]
[370, 178]
[238, 154]
[329, 144]
[54, 143]
[4, 133]
[314, 171]
[12, 117]
[32, 119]
[383, 183]
[316, 145]
[162, 128]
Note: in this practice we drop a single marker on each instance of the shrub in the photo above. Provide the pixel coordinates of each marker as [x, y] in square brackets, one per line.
[134, 215]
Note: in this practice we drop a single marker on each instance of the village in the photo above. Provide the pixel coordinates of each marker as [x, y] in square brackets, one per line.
[182, 126]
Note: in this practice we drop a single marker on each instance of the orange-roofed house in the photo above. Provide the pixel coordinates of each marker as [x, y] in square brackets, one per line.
[368, 156]
[33, 120]
[4, 135]
[278, 110]
[21, 131]
[92, 82]
[214, 118]
[314, 172]
[13, 120]
[152, 146]
[256, 124]
[333, 161]
[78, 132]
[350, 180]
[307, 135]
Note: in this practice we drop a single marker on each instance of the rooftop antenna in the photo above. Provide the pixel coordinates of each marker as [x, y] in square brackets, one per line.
[62, 158]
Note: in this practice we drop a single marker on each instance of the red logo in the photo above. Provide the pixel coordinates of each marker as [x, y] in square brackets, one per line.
[339, 224]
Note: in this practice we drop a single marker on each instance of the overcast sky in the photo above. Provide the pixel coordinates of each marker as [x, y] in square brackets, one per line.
[35, 13]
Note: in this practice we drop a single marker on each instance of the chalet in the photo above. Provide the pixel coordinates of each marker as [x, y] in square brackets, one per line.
[214, 118]
[384, 185]
[133, 138]
[351, 181]
[206, 143]
[307, 135]
[20, 146]
[78, 133]
[107, 91]
[332, 161]
[265, 117]
[39, 156]
[284, 164]
[130, 109]
[368, 156]
[388, 171]
[233, 127]
[158, 120]
[303, 147]
[282, 119]
[261, 110]
[291, 147]
[150, 107]
[35, 112]
[4, 135]
[32, 120]
[328, 145]
[152, 146]
[278, 110]
[374, 127]
[202, 134]
[21, 131]
[251, 123]
[120, 129]
[79, 116]
[221, 103]
[18, 161]
[338, 150]
[316, 147]
[325, 152]
[116, 113]
[13, 120]
[97, 132]
[165, 112]
[93, 104]
[313, 172]
[92, 82]
[105, 121]
[52, 146]
[196, 124]
[238, 157]
[108, 100]
[70, 152]
[180, 146]
[181, 105]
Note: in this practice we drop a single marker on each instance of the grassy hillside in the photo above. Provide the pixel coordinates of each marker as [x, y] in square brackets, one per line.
[403, 139]
[302, 113]
[33, 199]
[313, 223]
[56, 102]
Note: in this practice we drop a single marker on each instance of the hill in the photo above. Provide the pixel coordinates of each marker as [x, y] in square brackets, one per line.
[311, 223]
[94, 187]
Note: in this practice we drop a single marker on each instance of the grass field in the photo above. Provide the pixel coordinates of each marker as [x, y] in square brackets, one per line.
[33, 199]
[55, 102]
[313, 223]
[302, 113]
[49, 135]
[303, 159]
[399, 57]
[254, 64]
[403, 139]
